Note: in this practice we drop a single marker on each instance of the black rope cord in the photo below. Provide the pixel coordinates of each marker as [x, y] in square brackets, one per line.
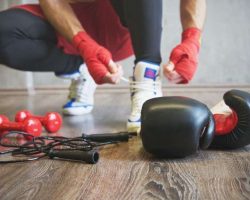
[83, 148]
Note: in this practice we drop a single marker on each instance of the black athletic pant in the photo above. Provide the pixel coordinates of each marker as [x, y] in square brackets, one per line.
[28, 42]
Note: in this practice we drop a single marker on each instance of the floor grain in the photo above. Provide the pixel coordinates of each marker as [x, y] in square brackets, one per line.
[125, 171]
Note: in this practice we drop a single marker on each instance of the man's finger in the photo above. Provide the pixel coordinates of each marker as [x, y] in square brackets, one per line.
[177, 80]
[168, 69]
[107, 79]
[119, 70]
[111, 79]
[169, 66]
[114, 78]
[112, 67]
[171, 74]
[174, 77]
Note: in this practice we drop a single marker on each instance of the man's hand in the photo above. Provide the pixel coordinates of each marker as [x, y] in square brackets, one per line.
[98, 59]
[184, 58]
[114, 74]
[171, 74]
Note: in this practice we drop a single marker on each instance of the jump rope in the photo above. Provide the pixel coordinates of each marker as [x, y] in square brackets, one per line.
[83, 149]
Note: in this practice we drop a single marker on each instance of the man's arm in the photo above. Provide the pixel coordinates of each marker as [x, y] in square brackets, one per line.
[183, 60]
[61, 16]
[98, 59]
[193, 13]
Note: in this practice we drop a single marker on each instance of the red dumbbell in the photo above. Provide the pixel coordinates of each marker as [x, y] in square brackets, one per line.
[31, 126]
[3, 119]
[52, 121]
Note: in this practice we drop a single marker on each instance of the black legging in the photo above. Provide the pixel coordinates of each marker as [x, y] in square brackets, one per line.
[29, 43]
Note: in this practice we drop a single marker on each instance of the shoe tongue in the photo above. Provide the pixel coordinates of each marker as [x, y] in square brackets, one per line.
[144, 71]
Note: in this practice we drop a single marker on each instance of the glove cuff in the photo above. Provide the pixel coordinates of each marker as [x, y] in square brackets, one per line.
[193, 35]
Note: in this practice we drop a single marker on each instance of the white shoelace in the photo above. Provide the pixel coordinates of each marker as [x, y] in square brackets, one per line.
[82, 93]
[143, 91]
[72, 90]
[79, 90]
[143, 85]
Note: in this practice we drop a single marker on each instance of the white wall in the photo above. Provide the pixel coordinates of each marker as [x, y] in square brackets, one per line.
[7, 3]
[224, 58]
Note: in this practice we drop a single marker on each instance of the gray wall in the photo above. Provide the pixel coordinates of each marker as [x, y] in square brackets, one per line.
[224, 58]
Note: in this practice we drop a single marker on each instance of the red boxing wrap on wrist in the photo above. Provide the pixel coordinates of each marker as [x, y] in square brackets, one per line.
[185, 55]
[96, 57]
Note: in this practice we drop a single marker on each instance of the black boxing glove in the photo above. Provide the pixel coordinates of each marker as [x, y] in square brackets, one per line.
[175, 126]
[232, 121]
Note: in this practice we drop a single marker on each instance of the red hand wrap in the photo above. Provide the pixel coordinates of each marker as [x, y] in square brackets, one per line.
[185, 55]
[95, 56]
[224, 124]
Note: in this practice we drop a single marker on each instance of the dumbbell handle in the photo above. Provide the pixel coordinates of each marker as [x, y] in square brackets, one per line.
[31, 126]
[40, 118]
[14, 126]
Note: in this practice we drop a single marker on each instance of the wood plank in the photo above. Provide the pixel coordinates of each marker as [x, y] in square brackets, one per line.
[125, 171]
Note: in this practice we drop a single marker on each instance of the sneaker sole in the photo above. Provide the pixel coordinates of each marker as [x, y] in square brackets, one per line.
[77, 111]
[133, 127]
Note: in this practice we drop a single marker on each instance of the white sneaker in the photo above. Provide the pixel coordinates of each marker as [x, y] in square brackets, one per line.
[144, 85]
[81, 93]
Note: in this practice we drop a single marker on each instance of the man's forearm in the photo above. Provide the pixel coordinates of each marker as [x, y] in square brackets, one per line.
[60, 14]
[193, 13]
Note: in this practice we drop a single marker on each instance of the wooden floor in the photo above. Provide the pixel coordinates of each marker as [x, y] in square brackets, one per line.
[124, 171]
